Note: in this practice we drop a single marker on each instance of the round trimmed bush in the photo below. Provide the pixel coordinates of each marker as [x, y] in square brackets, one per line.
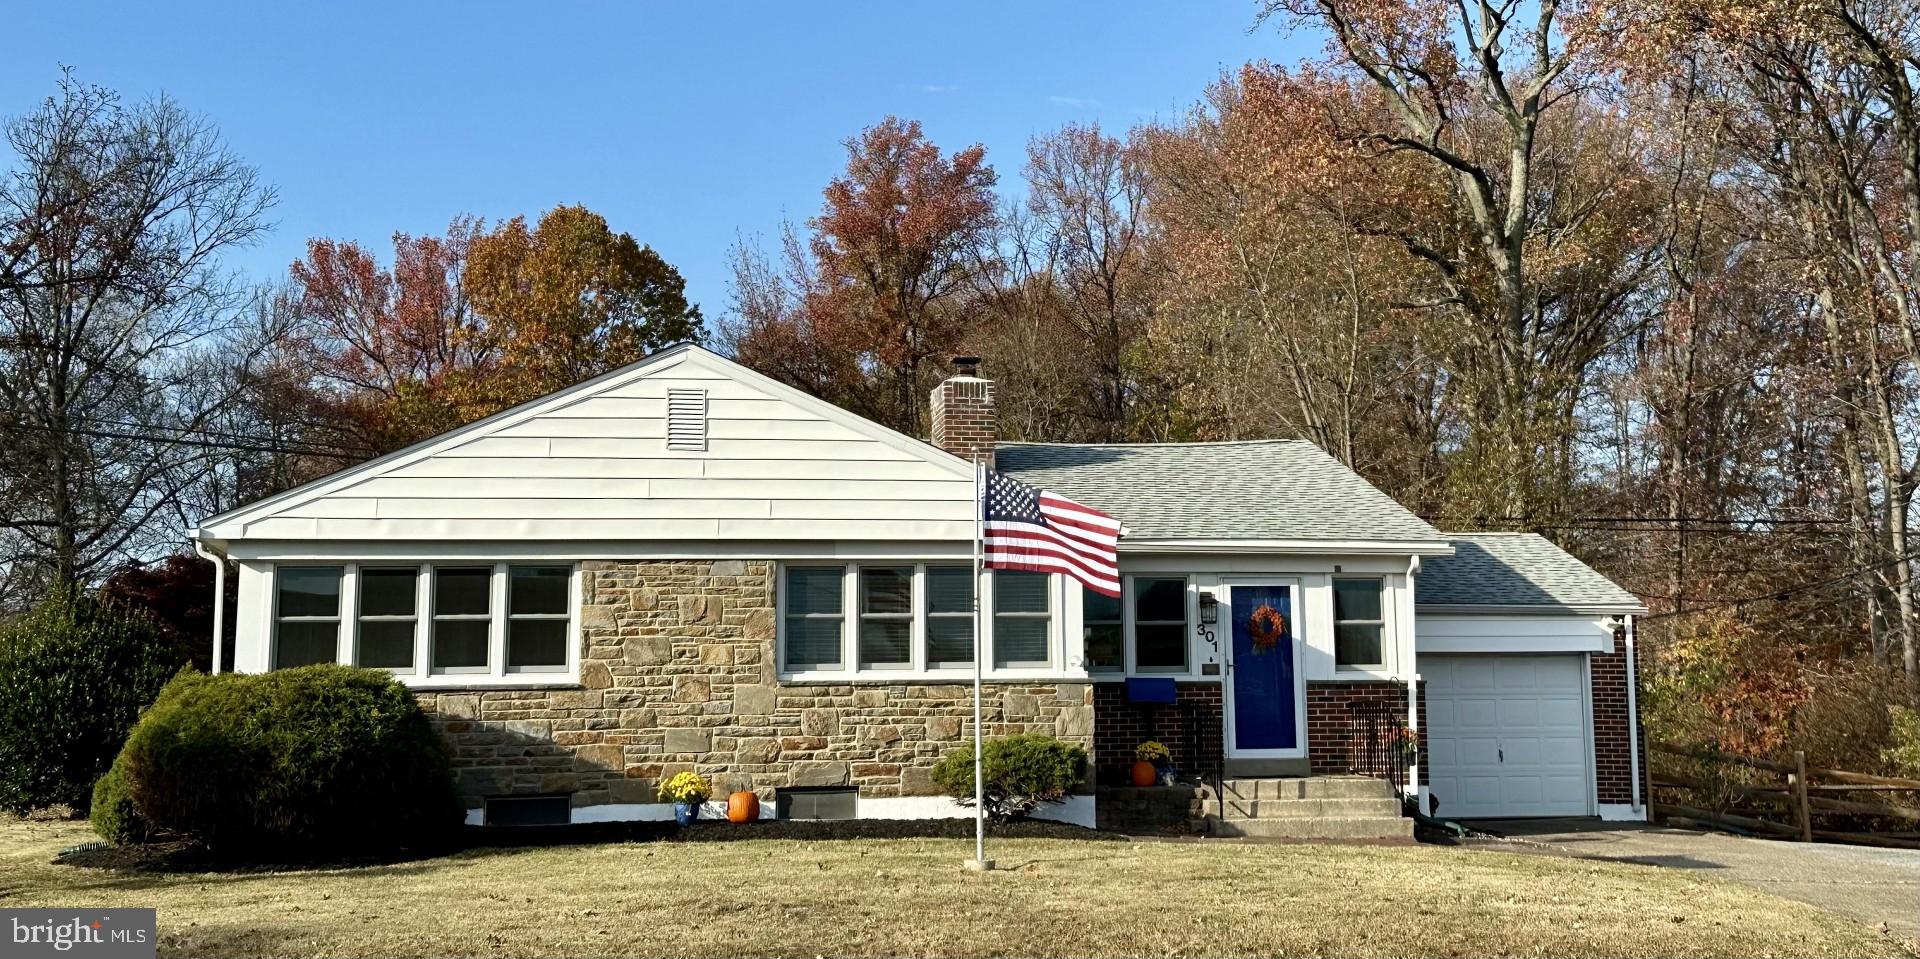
[74, 675]
[1021, 772]
[112, 816]
[322, 756]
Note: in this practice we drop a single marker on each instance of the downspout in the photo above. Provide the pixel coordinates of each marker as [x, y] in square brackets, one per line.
[1413, 685]
[219, 562]
[1633, 715]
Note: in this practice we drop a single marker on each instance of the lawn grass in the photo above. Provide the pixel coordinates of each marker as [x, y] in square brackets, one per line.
[912, 898]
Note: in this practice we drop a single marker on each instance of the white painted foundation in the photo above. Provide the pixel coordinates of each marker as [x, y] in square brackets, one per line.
[1077, 810]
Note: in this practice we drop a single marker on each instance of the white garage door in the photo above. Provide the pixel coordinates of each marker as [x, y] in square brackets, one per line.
[1507, 735]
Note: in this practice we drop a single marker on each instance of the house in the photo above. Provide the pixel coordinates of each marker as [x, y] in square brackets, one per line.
[683, 564]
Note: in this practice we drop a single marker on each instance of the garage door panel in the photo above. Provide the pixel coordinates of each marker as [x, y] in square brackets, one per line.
[1561, 713]
[1470, 752]
[1508, 735]
[1517, 713]
[1476, 713]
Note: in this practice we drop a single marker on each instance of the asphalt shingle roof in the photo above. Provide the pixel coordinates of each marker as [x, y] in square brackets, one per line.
[1265, 489]
[1513, 569]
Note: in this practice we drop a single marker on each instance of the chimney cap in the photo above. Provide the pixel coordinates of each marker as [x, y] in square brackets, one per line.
[966, 365]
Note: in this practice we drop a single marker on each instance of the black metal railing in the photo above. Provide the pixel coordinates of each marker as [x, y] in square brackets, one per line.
[1378, 741]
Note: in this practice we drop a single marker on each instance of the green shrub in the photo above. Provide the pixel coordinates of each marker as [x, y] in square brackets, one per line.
[1904, 752]
[112, 816]
[74, 675]
[1021, 773]
[322, 756]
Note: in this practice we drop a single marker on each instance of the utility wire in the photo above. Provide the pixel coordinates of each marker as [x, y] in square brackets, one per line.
[1775, 595]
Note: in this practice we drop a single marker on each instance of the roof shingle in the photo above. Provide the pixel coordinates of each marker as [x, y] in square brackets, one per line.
[1513, 569]
[1252, 490]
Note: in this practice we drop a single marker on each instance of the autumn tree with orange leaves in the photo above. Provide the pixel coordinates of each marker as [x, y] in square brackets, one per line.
[864, 308]
[464, 325]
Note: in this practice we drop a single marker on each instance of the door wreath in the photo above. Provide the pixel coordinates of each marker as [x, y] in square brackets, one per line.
[1266, 627]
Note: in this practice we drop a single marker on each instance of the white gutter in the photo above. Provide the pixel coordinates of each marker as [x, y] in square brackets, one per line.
[219, 600]
[1413, 682]
[1633, 713]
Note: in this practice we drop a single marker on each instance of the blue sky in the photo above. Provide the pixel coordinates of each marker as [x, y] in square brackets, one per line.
[685, 124]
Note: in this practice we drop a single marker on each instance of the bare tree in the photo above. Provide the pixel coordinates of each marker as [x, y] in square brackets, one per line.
[117, 326]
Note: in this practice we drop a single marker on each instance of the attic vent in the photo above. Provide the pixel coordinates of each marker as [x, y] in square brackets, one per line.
[687, 420]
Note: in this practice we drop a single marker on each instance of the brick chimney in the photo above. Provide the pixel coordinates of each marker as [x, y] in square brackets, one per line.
[963, 413]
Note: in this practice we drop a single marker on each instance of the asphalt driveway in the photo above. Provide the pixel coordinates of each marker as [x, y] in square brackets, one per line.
[1873, 885]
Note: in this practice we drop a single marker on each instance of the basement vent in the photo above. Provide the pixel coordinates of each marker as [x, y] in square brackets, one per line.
[816, 803]
[529, 810]
[687, 420]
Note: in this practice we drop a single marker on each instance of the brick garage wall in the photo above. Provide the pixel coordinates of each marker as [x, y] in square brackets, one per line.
[678, 673]
[1330, 728]
[1612, 726]
[1119, 726]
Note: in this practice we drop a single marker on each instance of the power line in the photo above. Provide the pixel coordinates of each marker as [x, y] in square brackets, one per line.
[1775, 595]
[244, 447]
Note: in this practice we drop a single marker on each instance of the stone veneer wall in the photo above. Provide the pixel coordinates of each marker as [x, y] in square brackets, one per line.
[678, 672]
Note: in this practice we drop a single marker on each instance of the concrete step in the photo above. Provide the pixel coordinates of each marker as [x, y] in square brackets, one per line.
[1326, 827]
[1310, 787]
[1384, 808]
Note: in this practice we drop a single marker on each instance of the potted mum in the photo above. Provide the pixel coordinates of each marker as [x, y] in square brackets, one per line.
[687, 791]
[1148, 758]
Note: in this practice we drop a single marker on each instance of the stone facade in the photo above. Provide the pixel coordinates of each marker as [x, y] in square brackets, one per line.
[679, 672]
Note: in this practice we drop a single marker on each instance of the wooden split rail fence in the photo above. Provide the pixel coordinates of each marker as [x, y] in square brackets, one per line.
[1804, 793]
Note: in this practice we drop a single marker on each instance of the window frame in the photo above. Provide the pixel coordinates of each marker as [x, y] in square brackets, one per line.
[1047, 616]
[565, 616]
[847, 571]
[924, 616]
[1129, 609]
[911, 616]
[921, 669]
[360, 617]
[338, 619]
[422, 673]
[1119, 669]
[1333, 603]
[436, 617]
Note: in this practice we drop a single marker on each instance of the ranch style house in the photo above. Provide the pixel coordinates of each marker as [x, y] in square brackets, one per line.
[685, 565]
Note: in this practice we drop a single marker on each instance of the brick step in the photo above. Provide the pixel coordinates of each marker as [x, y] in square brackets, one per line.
[1311, 787]
[1369, 827]
[1383, 808]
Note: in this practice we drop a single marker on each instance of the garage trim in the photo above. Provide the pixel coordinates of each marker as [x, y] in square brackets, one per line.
[1589, 794]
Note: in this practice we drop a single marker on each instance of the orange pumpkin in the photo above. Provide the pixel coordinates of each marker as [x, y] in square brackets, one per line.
[1145, 774]
[743, 806]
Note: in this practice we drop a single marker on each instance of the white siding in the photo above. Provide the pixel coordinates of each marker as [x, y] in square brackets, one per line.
[596, 465]
[1441, 633]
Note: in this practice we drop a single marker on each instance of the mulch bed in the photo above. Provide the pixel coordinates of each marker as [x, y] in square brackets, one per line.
[180, 856]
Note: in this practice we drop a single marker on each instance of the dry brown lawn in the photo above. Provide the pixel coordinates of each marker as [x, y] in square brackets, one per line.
[912, 898]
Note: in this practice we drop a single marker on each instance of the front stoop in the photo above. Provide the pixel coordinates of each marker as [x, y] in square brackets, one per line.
[1314, 807]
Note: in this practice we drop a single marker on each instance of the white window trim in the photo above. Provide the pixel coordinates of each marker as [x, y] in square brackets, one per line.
[422, 674]
[338, 619]
[353, 651]
[919, 671]
[1385, 622]
[1128, 611]
[435, 617]
[990, 612]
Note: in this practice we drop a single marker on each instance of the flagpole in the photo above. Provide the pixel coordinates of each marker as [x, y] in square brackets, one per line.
[980, 861]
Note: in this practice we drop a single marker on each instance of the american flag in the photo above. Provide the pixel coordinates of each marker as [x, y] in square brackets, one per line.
[1032, 529]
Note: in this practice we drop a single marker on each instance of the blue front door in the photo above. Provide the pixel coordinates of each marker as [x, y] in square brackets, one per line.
[1266, 691]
